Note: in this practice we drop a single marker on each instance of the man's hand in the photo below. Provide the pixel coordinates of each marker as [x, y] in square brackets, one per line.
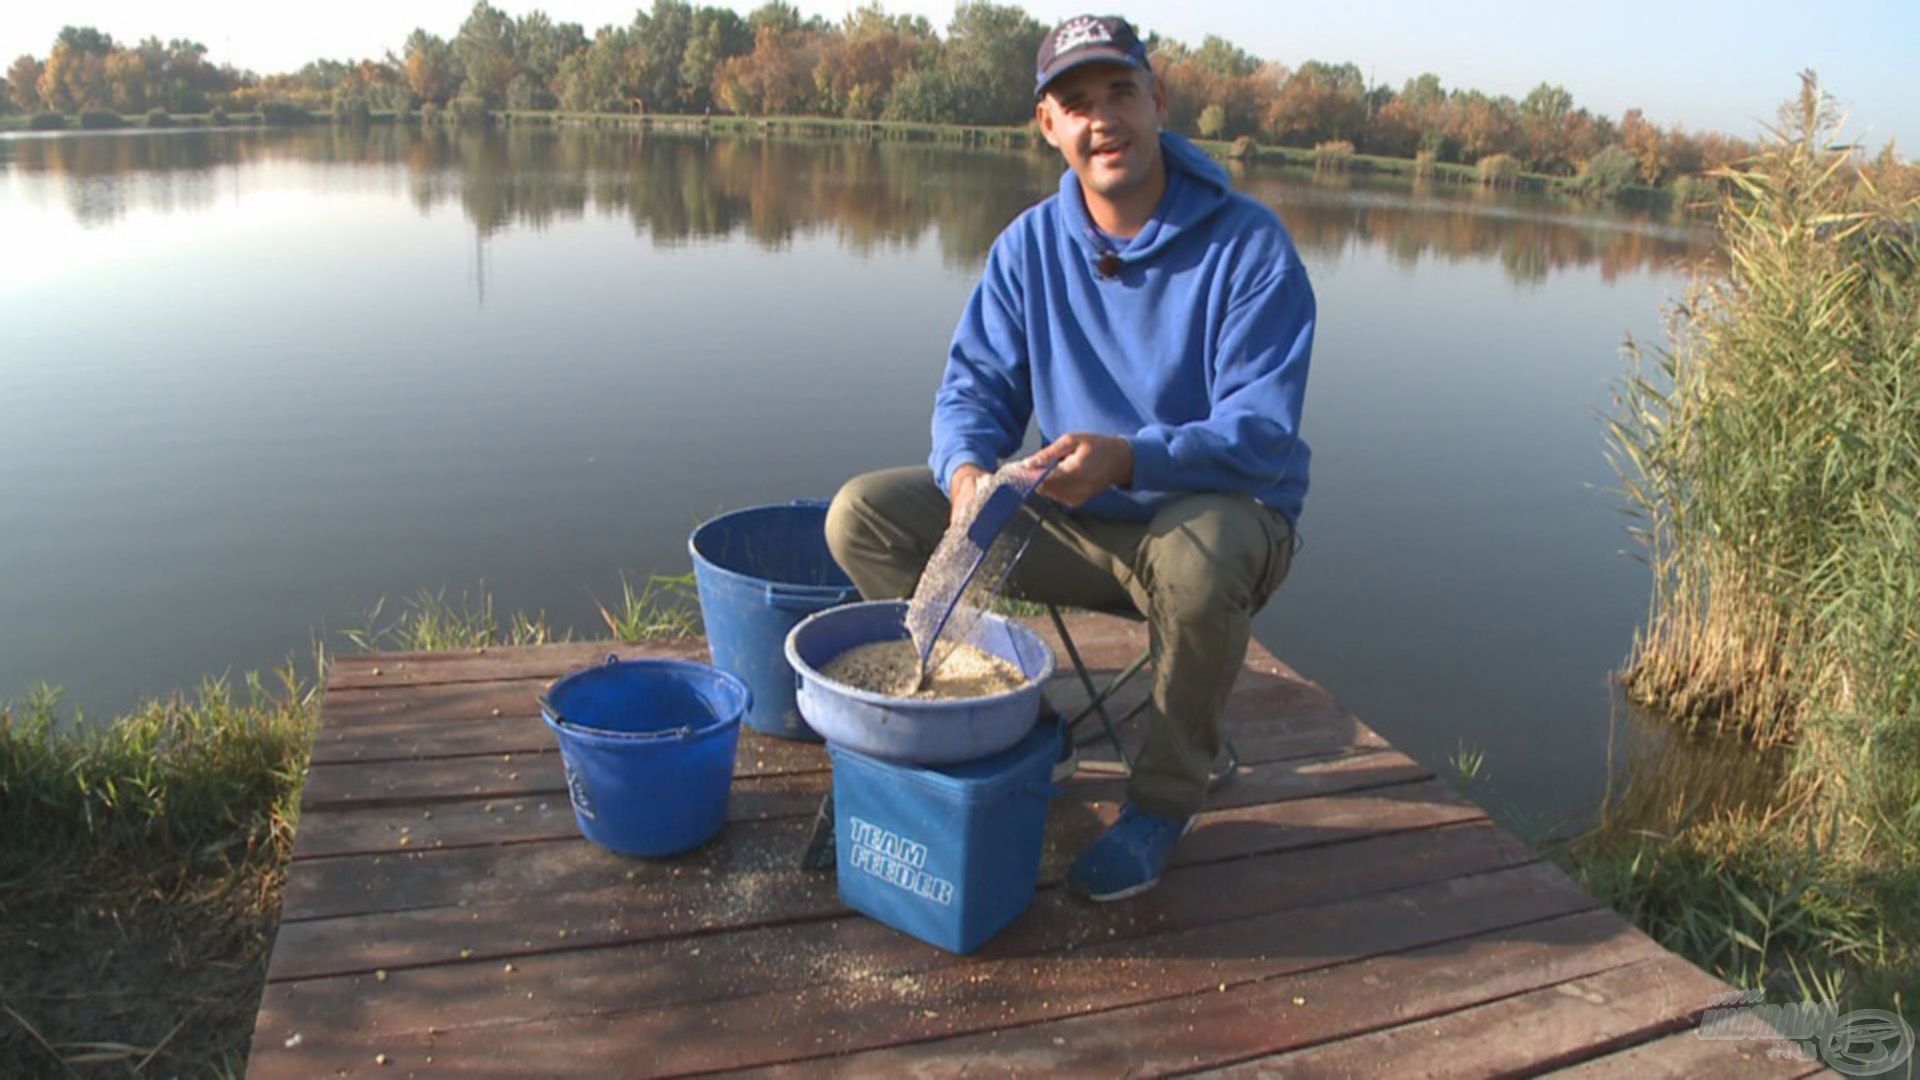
[1089, 465]
[965, 481]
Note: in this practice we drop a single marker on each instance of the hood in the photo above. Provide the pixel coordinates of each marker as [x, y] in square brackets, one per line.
[1197, 187]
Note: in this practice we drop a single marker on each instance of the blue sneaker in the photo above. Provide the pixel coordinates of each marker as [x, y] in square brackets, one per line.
[1129, 858]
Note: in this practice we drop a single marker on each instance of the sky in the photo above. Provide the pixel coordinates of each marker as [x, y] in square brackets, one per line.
[1700, 63]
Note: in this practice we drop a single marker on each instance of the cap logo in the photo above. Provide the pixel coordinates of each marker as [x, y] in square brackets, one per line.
[1079, 33]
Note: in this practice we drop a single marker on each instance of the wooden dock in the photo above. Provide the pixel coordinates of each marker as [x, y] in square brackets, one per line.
[1337, 911]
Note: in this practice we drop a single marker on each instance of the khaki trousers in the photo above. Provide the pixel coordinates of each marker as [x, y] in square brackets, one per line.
[1198, 571]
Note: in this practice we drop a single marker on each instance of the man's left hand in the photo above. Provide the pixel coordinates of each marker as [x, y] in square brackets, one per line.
[1089, 465]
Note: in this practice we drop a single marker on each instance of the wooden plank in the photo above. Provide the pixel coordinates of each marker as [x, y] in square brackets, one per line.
[1224, 1026]
[493, 663]
[427, 878]
[418, 723]
[432, 705]
[521, 734]
[387, 828]
[342, 785]
[1685, 1055]
[882, 1007]
[800, 956]
[1527, 1033]
[1103, 640]
[691, 894]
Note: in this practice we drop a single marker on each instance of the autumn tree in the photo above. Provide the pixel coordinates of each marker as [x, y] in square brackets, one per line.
[776, 78]
[23, 82]
[1644, 141]
[485, 48]
[75, 74]
[977, 77]
[126, 74]
[1225, 59]
[599, 77]
[1317, 103]
[858, 66]
[433, 71]
[718, 35]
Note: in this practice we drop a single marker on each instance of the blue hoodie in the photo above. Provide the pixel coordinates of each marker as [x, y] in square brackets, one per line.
[1197, 351]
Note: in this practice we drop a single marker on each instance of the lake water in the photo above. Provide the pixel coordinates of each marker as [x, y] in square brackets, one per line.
[253, 382]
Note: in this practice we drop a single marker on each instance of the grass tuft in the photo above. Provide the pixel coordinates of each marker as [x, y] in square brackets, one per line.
[140, 872]
[666, 606]
[429, 622]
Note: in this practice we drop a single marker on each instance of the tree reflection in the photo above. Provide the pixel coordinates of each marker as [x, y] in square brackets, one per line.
[868, 195]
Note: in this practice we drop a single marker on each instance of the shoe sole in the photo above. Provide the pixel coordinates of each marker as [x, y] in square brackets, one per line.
[1132, 891]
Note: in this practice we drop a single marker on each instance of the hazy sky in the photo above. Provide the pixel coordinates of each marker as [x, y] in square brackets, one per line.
[1702, 63]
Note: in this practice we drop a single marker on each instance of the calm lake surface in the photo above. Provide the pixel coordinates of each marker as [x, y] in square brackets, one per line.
[253, 382]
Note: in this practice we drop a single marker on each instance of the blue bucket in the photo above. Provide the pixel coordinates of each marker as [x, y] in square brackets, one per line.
[648, 749]
[949, 854]
[760, 571]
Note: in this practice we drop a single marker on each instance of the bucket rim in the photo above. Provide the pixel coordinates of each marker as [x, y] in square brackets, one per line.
[935, 705]
[837, 592]
[562, 726]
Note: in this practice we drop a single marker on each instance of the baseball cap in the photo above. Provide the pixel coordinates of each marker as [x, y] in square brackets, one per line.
[1086, 39]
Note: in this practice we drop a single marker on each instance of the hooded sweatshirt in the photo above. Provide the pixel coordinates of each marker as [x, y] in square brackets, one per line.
[1196, 351]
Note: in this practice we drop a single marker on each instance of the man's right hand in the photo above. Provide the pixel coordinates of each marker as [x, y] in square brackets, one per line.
[965, 481]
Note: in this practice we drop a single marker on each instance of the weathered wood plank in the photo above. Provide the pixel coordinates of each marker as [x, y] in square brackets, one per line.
[1685, 1055]
[761, 959]
[491, 664]
[503, 716]
[691, 894]
[385, 828]
[1206, 1030]
[348, 885]
[996, 990]
[1527, 1033]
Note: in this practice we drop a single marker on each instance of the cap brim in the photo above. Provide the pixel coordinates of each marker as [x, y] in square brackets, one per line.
[1095, 54]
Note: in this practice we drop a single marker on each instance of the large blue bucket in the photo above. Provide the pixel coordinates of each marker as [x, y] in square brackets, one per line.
[648, 748]
[760, 571]
[912, 730]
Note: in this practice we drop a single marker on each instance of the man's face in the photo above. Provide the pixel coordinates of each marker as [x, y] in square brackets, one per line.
[1105, 120]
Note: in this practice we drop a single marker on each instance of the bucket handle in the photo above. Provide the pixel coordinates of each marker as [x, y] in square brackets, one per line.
[679, 734]
[809, 598]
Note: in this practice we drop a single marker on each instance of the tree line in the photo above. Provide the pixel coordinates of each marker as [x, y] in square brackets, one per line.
[679, 58]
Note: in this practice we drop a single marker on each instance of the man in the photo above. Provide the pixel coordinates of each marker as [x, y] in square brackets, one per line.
[1157, 326]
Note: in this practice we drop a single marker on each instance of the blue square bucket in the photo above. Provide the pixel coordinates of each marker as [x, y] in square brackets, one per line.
[949, 854]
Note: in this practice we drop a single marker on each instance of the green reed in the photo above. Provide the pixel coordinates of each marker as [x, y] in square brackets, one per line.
[1770, 454]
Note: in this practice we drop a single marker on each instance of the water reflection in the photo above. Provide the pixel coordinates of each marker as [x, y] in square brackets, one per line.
[679, 189]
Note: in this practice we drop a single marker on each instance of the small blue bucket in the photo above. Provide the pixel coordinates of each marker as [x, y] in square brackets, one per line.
[648, 749]
[760, 571]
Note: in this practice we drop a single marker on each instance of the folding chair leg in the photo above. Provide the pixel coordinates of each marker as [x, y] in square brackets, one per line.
[1224, 772]
[1096, 698]
[820, 853]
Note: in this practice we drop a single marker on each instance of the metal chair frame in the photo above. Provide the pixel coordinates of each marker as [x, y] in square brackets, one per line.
[1098, 696]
